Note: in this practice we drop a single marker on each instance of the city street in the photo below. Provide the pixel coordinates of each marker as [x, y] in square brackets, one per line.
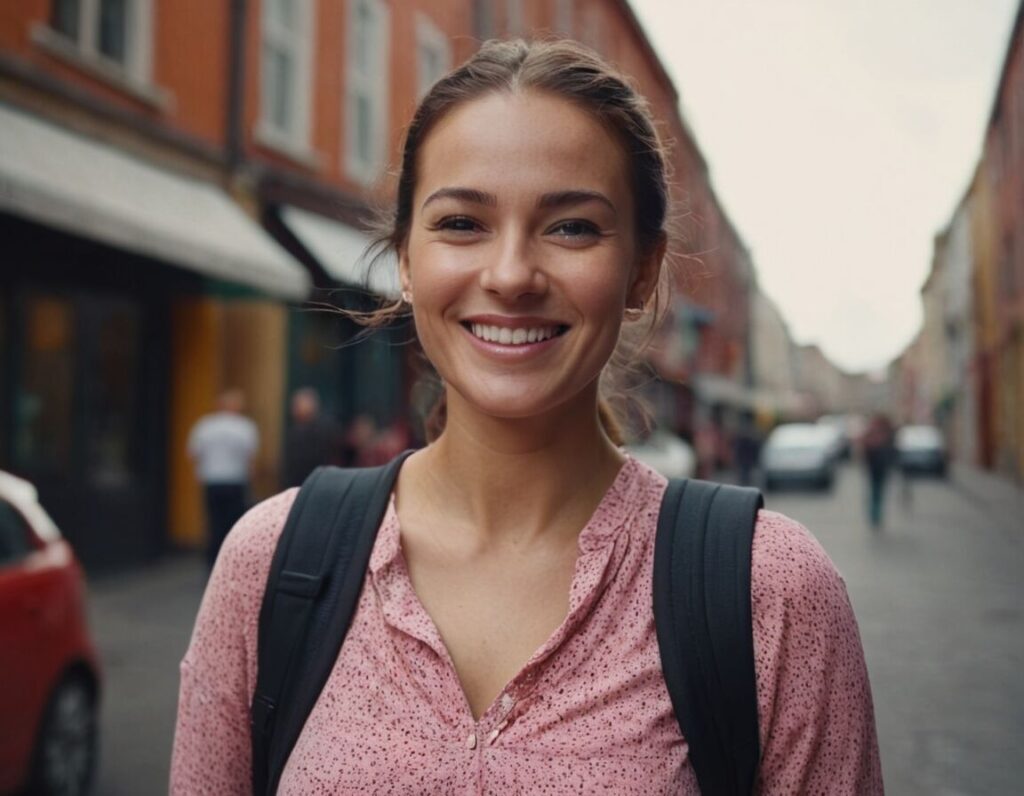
[938, 593]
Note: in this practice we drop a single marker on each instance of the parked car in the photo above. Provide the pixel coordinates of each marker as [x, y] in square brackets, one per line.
[798, 454]
[921, 449]
[49, 674]
[845, 428]
[665, 452]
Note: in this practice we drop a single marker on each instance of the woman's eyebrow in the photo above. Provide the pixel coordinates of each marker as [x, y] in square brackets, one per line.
[573, 197]
[547, 201]
[463, 194]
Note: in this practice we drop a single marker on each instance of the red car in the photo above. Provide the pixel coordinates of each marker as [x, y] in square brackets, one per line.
[49, 673]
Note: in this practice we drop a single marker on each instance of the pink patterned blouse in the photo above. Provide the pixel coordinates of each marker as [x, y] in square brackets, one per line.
[588, 713]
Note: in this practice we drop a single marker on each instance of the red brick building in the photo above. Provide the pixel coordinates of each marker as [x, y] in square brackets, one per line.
[176, 177]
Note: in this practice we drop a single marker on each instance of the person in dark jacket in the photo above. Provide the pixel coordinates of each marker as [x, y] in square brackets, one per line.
[746, 450]
[314, 439]
[879, 456]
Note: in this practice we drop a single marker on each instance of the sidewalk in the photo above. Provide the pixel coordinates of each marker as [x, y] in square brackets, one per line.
[1000, 496]
[142, 621]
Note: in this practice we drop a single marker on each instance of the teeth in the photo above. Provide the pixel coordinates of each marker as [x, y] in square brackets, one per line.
[506, 336]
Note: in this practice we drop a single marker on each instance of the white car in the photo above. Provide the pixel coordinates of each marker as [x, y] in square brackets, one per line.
[921, 449]
[665, 452]
[799, 453]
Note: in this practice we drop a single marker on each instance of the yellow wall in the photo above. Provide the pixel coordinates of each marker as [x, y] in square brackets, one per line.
[218, 344]
[255, 354]
[196, 334]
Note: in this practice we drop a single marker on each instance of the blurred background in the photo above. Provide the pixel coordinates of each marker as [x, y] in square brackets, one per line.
[187, 190]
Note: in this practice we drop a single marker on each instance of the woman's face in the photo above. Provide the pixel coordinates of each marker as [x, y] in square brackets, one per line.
[522, 253]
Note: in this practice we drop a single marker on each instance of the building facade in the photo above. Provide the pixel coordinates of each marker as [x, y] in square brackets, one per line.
[179, 179]
[135, 287]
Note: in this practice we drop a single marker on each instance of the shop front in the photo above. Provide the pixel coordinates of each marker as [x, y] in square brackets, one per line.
[106, 258]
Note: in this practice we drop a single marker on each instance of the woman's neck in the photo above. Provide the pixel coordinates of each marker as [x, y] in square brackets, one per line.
[503, 482]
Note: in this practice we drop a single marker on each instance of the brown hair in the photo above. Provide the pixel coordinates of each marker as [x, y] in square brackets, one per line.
[569, 70]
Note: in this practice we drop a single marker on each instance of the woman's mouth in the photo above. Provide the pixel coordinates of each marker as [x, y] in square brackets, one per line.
[514, 336]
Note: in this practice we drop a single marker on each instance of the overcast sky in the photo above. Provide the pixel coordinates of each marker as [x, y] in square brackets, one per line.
[840, 136]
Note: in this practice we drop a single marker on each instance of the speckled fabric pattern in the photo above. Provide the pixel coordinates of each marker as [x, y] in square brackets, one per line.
[588, 713]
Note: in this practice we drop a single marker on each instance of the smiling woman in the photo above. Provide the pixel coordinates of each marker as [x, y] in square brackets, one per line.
[629, 213]
[504, 640]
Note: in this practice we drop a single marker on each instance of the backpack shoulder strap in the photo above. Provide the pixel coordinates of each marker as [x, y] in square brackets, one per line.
[314, 584]
[702, 615]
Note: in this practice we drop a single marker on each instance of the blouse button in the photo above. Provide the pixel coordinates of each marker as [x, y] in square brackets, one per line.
[471, 741]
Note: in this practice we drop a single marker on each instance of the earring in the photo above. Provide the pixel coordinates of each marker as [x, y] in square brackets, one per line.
[634, 313]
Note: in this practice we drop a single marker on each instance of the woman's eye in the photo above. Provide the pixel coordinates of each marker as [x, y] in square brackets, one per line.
[457, 224]
[575, 229]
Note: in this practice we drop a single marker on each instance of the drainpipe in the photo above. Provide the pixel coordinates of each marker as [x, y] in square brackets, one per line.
[235, 105]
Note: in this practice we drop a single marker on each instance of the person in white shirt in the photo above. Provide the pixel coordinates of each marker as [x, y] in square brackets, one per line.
[222, 445]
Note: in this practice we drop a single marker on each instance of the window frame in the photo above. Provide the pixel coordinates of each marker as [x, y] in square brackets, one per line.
[295, 142]
[484, 24]
[430, 37]
[515, 18]
[373, 85]
[592, 33]
[565, 17]
[134, 75]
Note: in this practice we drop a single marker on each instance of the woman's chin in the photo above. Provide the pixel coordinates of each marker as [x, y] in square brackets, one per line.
[518, 405]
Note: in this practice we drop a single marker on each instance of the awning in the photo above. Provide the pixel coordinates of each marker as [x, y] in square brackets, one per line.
[342, 252]
[61, 178]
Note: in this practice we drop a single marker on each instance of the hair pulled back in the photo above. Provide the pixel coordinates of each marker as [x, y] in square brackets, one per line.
[564, 69]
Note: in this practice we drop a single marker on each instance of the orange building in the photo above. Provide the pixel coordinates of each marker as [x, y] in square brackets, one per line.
[997, 234]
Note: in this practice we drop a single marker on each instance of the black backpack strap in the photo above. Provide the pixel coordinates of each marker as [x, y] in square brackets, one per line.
[312, 592]
[702, 615]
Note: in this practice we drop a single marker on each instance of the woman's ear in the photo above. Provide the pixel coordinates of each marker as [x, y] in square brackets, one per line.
[404, 279]
[646, 273]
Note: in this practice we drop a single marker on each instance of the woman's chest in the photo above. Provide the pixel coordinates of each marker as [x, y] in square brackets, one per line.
[492, 616]
[591, 713]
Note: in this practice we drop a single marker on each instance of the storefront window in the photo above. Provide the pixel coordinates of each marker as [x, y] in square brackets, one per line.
[5, 367]
[111, 392]
[43, 399]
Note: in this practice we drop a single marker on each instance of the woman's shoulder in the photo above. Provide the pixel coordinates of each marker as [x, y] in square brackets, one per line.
[250, 545]
[789, 566]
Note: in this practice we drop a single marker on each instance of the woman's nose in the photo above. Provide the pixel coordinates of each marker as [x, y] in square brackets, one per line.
[515, 270]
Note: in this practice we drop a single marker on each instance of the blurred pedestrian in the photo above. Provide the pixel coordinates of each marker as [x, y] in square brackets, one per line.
[746, 450]
[879, 452]
[359, 442]
[222, 445]
[314, 438]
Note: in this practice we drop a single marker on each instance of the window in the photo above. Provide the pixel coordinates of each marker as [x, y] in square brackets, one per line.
[43, 396]
[515, 22]
[115, 34]
[483, 19]
[366, 133]
[286, 73]
[593, 31]
[111, 391]
[564, 17]
[14, 535]
[433, 54]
